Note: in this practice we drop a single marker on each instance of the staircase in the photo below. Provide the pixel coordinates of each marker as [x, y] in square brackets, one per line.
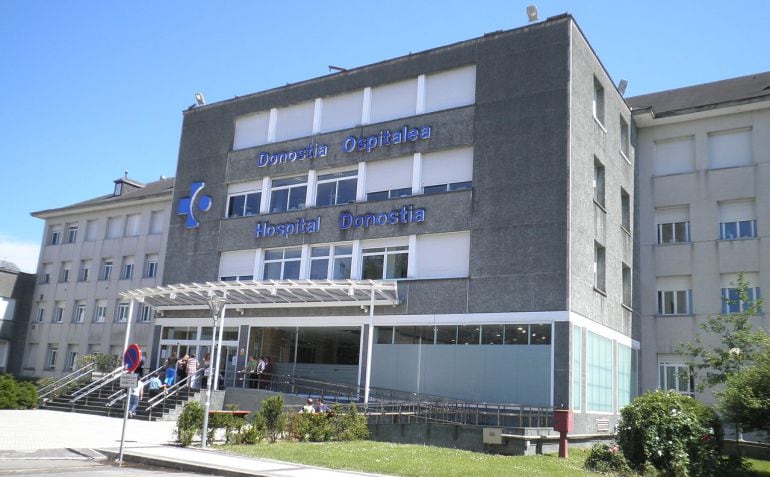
[105, 397]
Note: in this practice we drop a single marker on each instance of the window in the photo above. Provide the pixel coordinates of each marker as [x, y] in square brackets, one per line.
[676, 377]
[85, 270]
[80, 312]
[443, 255]
[733, 302]
[336, 188]
[625, 210]
[127, 270]
[45, 273]
[145, 315]
[282, 264]
[55, 237]
[157, 221]
[72, 358]
[599, 267]
[51, 353]
[394, 100]
[389, 179]
[294, 121]
[332, 262]
[64, 272]
[241, 205]
[251, 130]
[342, 111]
[385, 263]
[730, 148]
[673, 224]
[237, 265]
[447, 170]
[122, 312]
[674, 156]
[577, 367]
[674, 302]
[114, 227]
[737, 220]
[626, 375]
[58, 312]
[450, 89]
[132, 225]
[151, 266]
[40, 313]
[72, 233]
[288, 194]
[625, 139]
[92, 231]
[598, 373]
[598, 182]
[598, 102]
[100, 312]
[106, 269]
[626, 278]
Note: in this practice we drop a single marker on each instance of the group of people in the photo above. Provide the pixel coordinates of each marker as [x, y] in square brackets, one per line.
[258, 372]
[177, 369]
[317, 407]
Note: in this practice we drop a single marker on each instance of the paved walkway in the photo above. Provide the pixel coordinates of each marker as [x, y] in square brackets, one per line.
[34, 431]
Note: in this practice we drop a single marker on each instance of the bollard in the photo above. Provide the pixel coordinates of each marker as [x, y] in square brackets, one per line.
[562, 422]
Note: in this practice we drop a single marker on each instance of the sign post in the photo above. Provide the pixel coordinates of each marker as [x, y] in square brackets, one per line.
[128, 380]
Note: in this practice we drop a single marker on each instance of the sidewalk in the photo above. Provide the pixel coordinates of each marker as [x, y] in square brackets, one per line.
[151, 443]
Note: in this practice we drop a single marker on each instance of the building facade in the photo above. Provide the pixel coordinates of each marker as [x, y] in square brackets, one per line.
[16, 290]
[492, 179]
[91, 251]
[704, 210]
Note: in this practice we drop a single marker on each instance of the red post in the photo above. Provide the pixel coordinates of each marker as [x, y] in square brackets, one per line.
[562, 422]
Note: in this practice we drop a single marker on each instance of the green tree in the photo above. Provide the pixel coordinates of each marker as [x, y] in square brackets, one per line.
[274, 416]
[746, 396]
[737, 346]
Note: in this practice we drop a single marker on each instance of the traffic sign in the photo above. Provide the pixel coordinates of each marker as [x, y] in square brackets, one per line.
[132, 357]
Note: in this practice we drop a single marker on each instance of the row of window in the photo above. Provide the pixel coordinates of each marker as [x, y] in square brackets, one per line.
[496, 334]
[99, 314]
[600, 199]
[418, 95]
[600, 274]
[736, 218]
[599, 372]
[429, 173]
[598, 107]
[85, 273]
[679, 232]
[444, 255]
[52, 355]
[729, 148]
[115, 227]
[679, 302]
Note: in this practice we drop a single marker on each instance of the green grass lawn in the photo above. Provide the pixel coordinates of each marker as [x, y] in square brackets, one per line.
[418, 460]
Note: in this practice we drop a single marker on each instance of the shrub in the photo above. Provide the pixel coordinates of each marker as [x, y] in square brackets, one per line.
[26, 396]
[674, 433]
[104, 362]
[608, 460]
[274, 416]
[253, 432]
[349, 426]
[189, 423]
[311, 427]
[9, 391]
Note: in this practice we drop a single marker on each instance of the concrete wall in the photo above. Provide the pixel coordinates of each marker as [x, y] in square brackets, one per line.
[19, 287]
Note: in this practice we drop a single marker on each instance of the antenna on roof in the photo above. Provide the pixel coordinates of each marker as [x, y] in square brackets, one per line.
[336, 68]
[532, 13]
[622, 87]
[199, 99]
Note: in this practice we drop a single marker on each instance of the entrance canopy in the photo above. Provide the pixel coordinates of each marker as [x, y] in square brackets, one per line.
[268, 294]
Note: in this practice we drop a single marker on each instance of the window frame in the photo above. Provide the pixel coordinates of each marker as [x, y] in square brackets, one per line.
[288, 186]
[336, 178]
[80, 313]
[122, 312]
[283, 261]
[72, 233]
[385, 252]
[598, 103]
[674, 234]
[738, 229]
[331, 259]
[675, 300]
[754, 294]
[247, 195]
[599, 184]
[663, 378]
[106, 270]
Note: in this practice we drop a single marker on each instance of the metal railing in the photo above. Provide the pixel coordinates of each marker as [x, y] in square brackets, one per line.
[120, 394]
[62, 383]
[180, 389]
[96, 385]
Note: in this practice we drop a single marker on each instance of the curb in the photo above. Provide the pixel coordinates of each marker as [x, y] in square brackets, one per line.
[176, 464]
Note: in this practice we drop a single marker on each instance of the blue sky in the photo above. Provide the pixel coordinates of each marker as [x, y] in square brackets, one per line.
[93, 88]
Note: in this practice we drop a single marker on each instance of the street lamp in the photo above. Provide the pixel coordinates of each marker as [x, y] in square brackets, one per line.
[216, 306]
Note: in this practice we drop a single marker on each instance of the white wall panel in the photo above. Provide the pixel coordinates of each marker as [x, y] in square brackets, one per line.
[443, 255]
[447, 167]
[239, 262]
[250, 186]
[342, 111]
[395, 100]
[450, 89]
[251, 130]
[389, 174]
[295, 121]
[734, 211]
[669, 215]
[673, 156]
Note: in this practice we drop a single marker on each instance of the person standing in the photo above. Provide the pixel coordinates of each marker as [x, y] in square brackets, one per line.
[170, 365]
[192, 369]
[134, 397]
[267, 374]
[140, 369]
[181, 368]
[251, 372]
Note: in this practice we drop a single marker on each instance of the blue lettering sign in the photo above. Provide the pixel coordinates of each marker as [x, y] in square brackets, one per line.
[312, 151]
[385, 137]
[300, 226]
[404, 215]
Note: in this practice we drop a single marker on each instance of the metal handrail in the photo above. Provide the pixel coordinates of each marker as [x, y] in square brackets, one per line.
[173, 390]
[120, 394]
[98, 384]
[64, 381]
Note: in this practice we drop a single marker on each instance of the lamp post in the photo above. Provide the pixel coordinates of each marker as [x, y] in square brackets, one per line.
[217, 306]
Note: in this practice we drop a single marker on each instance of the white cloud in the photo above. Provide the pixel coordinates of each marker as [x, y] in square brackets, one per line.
[23, 254]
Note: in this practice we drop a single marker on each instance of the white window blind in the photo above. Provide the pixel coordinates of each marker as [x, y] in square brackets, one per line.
[735, 211]
[683, 282]
[342, 111]
[443, 255]
[237, 263]
[395, 100]
[251, 130]
[240, 187]
[113, 227]
[673, 156]
[730, 280]
[450, 89]
[672, 214]
[730, 148]
[132, 225]
[447, 167]
[390, 174]
[91, 230]
[157, 221]
[295, 121]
